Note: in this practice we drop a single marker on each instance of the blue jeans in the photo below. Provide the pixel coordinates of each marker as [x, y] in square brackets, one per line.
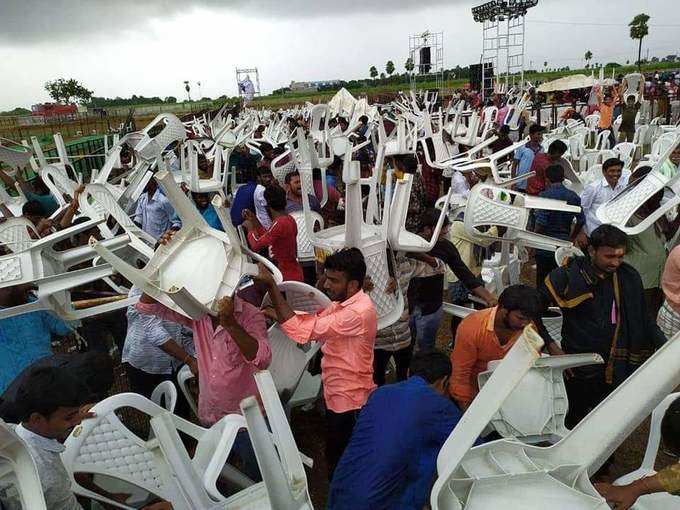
[424, 328]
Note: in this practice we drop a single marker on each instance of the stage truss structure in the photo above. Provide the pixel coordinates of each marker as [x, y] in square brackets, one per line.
[244, 75]
[423, 70]
[503, 34]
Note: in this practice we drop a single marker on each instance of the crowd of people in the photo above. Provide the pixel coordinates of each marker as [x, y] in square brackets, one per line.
[621, 300]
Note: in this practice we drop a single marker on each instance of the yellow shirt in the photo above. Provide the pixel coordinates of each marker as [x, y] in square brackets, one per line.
[669, 478]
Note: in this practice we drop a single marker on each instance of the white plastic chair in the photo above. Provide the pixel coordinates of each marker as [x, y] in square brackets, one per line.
[510, 474]
[305, 249]
[59, 183]
[160, 466]
[280, 169]
[20, 486]
[189, 161]
[47, 269]
[289, 361]
[500, 170]
[284, 483]
[653, 443]
[97, 202]
[401, 239]
[183, 376]
[625, 152]
[370, 239]
[535, 410]
[165, 395]
[489, 205]
[17, 234]
[14, 204]
[619, 210]
[172, 276]
[150, 147]
[13, 154]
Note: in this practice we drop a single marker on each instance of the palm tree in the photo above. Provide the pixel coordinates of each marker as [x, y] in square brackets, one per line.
[638, 30]
[587, 57]
[373, 72]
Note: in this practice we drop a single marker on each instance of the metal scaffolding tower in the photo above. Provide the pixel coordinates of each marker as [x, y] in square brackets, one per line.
[426, 53]
[503, 33]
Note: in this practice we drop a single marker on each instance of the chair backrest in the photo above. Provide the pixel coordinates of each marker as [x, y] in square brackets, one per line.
[15, 234]
[276, 452]
[165, 395]
[20, 486]
[104, 445]
[602, 142]
[490, 205]
[58, 182]
[305, 249]
[172, 130]
[281, 169]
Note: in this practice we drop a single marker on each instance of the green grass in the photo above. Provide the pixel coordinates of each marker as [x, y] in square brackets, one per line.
[533, 77]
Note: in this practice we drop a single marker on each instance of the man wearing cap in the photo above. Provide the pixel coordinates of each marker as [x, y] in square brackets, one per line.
[524, 156]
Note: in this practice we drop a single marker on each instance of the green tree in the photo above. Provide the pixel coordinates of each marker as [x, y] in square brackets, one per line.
[545, 65]
[638, 30]
[373, 72]
[67, 91]
[389, 67]
[170, 99]
[588, 56]
[409, 65]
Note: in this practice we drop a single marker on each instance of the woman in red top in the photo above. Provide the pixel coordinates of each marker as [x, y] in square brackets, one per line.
[281, 238]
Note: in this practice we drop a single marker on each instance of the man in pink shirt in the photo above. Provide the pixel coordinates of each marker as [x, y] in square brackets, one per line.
[347, 329]
[231, 348]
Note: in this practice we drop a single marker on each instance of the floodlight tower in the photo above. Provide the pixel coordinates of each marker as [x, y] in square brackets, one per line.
[502, 40]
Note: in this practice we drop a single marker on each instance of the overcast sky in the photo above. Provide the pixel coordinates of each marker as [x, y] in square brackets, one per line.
[149, 47]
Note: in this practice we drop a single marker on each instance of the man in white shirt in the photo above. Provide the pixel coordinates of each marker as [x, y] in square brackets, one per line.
[50, 406]
[154, 211]
[614, 180]
[264, 179]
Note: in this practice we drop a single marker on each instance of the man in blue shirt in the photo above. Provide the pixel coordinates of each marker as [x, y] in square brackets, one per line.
[27, 337]
[391, 458]
[202, 202]
[245, 194]
[559, 224]
[524, 156]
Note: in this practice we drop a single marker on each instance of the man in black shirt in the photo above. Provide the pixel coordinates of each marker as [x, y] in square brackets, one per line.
[604, 311]
[426, 295]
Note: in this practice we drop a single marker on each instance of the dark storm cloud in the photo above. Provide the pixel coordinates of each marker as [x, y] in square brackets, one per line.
[42, 21]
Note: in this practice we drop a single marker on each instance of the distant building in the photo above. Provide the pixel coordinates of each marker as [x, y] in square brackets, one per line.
[312, 86]
[53, 110]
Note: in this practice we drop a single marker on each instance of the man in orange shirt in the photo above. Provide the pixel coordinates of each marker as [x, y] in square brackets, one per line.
[607, 117]
[347, 329]
[487, 335]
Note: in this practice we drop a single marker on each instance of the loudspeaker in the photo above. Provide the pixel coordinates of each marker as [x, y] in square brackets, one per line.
[476, 76]
[425, 60]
